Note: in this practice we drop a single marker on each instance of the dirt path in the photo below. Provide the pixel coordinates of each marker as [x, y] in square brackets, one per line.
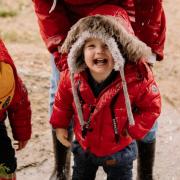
[21, 36]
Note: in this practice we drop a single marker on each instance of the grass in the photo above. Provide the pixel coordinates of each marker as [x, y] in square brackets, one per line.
[12, 28]
[14, 35]
[5, 13]
[10, 36]
[3, 170]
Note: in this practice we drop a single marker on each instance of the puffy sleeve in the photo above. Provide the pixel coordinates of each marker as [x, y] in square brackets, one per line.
[62, 108]
[53, 26]
[19, 113]
[146, 108]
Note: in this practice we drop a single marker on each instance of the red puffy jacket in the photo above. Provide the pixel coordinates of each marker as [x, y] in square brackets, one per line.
[147, 16]
[19, 111]
[145, 100]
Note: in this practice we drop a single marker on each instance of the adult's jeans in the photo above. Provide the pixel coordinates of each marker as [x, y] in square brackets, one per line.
[151, 135]
[54, 79]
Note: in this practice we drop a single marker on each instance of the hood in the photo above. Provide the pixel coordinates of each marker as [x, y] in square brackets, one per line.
[116, 32]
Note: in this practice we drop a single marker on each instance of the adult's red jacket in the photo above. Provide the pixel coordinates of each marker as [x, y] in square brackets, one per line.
[145, 101]
[19, 110]
[147, 17]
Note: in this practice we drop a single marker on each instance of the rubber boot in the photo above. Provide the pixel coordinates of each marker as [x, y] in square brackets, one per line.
[145, 162]
[62, 162]
[11, 176]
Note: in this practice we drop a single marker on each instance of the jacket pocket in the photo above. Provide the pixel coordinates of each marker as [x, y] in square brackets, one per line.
[126, 155]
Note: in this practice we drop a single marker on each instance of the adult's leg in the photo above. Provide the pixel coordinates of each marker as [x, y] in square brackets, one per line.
[8, 162]
[146, 155]
[61, 169]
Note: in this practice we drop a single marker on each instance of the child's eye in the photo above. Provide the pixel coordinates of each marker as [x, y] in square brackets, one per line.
[106, 46]
[91, 45]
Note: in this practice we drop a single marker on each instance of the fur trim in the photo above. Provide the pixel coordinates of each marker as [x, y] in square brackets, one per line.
[76, 51]
[106, 27]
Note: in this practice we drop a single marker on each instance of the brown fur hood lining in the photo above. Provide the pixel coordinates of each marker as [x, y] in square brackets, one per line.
[112, 31]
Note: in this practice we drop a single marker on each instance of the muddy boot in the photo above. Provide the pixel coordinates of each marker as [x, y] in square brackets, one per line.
[62, 166]
[145, 162]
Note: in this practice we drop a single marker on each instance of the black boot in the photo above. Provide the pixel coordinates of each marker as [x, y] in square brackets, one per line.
[145, 162]
[62, 162]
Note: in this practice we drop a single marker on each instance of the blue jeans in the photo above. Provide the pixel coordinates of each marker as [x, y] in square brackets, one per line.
[117, 166]
[151, 135]
[53, 83]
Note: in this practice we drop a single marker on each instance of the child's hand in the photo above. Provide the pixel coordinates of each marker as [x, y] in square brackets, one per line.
[20, 144]
[62, 136]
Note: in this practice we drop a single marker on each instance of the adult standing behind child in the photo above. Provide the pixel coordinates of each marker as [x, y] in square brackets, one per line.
[110, 92]
[14, 105]
[55, 17]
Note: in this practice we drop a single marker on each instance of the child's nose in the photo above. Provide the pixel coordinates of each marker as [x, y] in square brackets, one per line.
[100, 49]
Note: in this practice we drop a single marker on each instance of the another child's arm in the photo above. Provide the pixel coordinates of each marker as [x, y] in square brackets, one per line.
[19, 113]
[20, 145]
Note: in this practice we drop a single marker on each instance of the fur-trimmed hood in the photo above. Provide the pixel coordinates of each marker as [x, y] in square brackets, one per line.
[114, 31]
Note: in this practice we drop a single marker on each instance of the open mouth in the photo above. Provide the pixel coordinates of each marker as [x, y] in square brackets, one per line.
[100, 61]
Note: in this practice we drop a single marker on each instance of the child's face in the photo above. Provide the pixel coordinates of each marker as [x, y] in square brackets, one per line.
[98, 58]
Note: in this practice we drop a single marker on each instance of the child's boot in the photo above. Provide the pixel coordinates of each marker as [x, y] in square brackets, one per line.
[145, 162]
[62, 164]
